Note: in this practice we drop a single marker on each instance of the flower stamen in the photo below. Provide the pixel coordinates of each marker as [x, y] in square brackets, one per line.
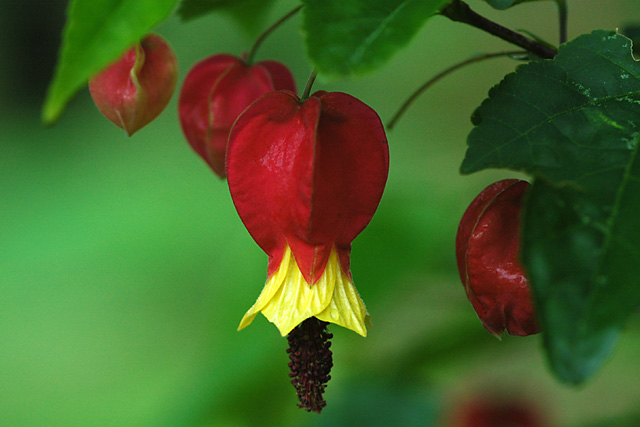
[311, 362]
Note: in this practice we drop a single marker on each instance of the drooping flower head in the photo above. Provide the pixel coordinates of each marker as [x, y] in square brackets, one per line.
[215, 92]
[135, 89]
[487, 252]
[306, 179]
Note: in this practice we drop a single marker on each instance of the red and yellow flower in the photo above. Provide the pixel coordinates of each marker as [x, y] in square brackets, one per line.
[306, 178]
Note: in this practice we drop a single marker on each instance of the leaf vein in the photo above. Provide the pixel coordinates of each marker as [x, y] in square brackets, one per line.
[359, 53]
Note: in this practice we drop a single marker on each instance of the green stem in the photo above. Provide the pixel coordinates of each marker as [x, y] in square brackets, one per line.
[439, 76]
[563, 14]
[459, 11]
[268, 31]
[307, 88]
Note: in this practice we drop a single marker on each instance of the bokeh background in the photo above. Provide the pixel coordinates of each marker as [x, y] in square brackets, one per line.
[124, 268]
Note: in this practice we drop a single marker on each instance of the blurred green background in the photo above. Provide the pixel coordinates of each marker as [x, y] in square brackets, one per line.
[124, 268]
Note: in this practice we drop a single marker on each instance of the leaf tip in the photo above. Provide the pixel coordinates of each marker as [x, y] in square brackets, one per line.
[467, 167]
[50, 113]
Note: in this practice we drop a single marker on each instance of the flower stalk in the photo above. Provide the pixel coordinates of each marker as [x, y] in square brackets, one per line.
[563, 15]
[459, 11]
[309, 85]
[410, 100]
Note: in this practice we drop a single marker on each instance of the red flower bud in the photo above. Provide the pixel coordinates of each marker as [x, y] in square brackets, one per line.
[306, 179]
[134, 90]
[213, 95]
[487, 251]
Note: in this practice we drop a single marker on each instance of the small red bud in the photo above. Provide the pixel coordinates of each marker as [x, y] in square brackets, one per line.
[487, 251]
[213, 95]
[134, 90]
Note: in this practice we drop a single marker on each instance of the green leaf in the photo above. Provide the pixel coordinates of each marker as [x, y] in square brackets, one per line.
[250, 14]
[351, 37]
[505, 4]
[574, 123]
[562, 244]
[97, 32]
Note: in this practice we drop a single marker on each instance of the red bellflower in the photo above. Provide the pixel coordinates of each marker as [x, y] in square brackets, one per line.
[213, 95]
[135, 89]
[306, 179]
[487, 251]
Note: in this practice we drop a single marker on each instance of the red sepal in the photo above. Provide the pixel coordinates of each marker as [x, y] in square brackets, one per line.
[470, 219]
[488, 250]
[308, 174]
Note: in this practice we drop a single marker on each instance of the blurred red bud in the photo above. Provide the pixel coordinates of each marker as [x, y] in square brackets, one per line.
[135, 89]
[496, 412]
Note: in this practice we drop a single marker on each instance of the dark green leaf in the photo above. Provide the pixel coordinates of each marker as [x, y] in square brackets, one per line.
[97, 32]
[574, 123]
[345, 38]
[562, 243]
[250, 14]
[505, 4]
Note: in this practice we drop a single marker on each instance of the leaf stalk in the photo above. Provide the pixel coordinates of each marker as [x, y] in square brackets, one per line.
[459, 11]
[563, 15]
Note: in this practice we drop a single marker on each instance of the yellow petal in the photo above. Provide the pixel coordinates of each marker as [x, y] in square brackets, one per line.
[287, 299]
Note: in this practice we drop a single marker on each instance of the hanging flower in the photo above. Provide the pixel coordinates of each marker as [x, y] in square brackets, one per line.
[306, 178]
[215, 92]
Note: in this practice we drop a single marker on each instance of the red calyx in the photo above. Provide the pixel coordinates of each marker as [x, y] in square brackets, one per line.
[487, 252]
[307, 174]
[213, 95]
[135, 89]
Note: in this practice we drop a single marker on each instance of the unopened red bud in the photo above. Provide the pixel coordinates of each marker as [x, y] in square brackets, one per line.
[213, 95]
[135, 89]
[487, 251]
